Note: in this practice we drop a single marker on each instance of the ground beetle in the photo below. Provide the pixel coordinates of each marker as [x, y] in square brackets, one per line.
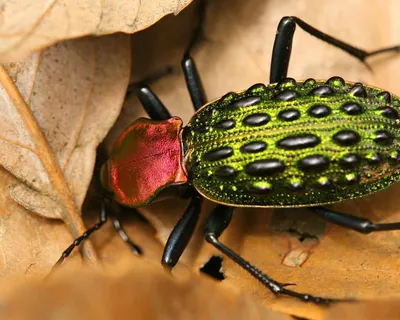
[288, 144]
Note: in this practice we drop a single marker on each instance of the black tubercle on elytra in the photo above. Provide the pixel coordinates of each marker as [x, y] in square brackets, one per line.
[336, 81]
[384, 96]
[374, 158]
[225, 124]
[245, 102]
[295, 186]
[322, 91]
[261, 168]
[202, 129]
[352, 108]
[256, 119]
[358, 90]
[260, 189]
[351, 179]
[309, 82]
[257, 88]
[324, 183]
[287, 82]
[218, 154]
[389, 112]
[228, 97]
[299, 141]
[347, 137]
[287, 95]
[225, 172]
[314, 163]
[350, 161]
[289, 114]
[395, 157]
[254, 147]
[319, 111]
[383, 137]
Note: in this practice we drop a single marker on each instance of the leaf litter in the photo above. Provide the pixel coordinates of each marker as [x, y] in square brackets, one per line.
[27, 26]
[57, 105]
[234, 55]
[139, 291]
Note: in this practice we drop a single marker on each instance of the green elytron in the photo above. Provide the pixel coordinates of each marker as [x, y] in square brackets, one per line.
[295, 144]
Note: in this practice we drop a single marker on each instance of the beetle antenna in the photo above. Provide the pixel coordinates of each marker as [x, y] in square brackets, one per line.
[84, 236]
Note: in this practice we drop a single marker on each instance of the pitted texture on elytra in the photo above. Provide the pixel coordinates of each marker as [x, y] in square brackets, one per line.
[341, 144]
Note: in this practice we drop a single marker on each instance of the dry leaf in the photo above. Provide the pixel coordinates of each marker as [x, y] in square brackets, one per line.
[56, 108]
[26, 26]
[142, 292]
[369, 310]
[235, 54]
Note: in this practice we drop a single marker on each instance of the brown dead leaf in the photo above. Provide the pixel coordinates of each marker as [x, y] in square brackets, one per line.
[140, 292]
[29, 25]
[235, 54]
[57, 105]
[30, 244]
[368, 310]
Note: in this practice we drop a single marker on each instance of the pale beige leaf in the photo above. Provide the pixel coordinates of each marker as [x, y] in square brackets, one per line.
[75, 90]
[31, 244]
[28, 25]
[59, 106]
[35, 201]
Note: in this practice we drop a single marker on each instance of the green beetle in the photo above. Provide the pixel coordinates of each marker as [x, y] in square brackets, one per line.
[288, 144]
[295, 144]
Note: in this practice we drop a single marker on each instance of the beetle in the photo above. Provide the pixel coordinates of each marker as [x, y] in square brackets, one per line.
[287, 144]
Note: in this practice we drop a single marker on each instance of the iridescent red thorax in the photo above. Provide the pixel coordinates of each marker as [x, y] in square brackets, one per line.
[146, 159]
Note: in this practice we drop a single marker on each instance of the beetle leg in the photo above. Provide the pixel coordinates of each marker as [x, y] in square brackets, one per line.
[85, 235]
[217, 222]
[132, 87]
[152, 104]
[183, 231]
[192, 77]
[193, 82]
[118, 226]
[283, 46]
[353, 222]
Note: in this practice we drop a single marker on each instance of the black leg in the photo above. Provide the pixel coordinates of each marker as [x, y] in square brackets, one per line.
[353, 222]
[152, 104]
[183, 231]
[283, 46]
[118, 226]
[192, 77]
[85, 235]
[217, 222]
[132, 88]
[193, 83]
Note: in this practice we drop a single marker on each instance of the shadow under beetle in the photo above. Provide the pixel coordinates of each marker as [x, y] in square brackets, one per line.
[288, 144]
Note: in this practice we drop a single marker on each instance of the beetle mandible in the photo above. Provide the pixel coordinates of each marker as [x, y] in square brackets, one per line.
[287, 144]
